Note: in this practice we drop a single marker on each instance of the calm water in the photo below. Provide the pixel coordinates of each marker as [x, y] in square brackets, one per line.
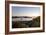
[21, 19]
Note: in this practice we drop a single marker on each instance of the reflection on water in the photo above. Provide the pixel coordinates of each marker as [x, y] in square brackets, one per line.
[21, 19]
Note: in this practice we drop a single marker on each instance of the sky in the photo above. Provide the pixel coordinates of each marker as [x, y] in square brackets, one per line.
[25, 11]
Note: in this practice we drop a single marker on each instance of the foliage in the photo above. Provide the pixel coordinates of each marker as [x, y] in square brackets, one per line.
[36, 22]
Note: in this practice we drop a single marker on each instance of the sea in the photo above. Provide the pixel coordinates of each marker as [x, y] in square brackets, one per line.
[21, 19]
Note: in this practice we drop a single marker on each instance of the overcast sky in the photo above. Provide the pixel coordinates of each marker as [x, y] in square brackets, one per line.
[25, 11]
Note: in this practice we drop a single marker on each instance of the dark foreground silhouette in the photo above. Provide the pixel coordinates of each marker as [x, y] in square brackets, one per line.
[26, 24]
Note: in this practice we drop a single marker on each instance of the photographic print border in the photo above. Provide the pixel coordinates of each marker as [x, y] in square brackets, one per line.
[7, 16]
[25, 29]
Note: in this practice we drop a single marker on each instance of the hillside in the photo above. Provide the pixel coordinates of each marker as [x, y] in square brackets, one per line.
[25, 24]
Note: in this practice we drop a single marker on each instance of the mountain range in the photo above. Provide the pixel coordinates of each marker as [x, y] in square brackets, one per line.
[21, 17]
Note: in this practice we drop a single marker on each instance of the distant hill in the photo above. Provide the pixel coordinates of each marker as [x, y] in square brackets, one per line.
[21, 17]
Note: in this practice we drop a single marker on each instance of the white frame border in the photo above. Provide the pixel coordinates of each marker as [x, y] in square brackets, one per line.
[25, 29]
